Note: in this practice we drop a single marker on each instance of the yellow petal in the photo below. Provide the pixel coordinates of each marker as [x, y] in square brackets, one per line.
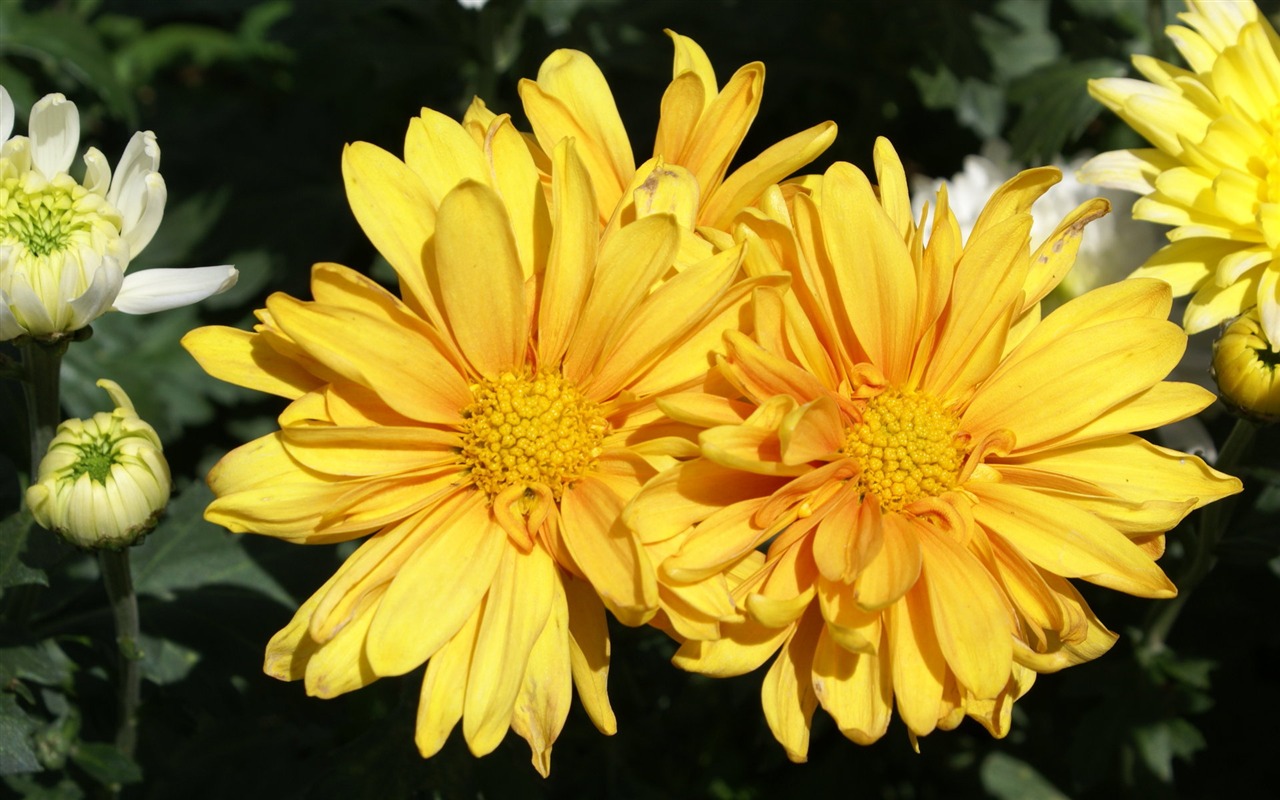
[394, 210]
[442, 154]
[876, 278]
[432, 391]
[630, 261]
[341, 664]
[575, 235]
[571, 98]
[1160, 405]
[481, 282]
[919, 669]
[444, 687]
[787, 694]
[743, 647]
[245, 359]
[516, 611]
[812, 431]
[437, 588]
[608, 553]
[645, 335]
[689, 493]
[1069, 382]
[371, 451]
[542, 704]
[516, 179]
[722, 127]
[970, 615]
[589, 652]
[854, 689]
[1066, 541]
[894, 570]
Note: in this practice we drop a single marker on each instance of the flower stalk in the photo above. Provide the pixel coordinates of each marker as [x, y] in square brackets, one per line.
[1201, 548]
[118, 580]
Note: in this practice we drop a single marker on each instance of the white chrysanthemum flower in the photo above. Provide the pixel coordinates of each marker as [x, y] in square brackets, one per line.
[65, 244]
[1113, 247]
[103, 481]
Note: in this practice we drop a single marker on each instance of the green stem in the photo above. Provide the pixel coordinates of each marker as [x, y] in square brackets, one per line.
[1212, 525]
[42, 367]
[39, 373]
[124, 609]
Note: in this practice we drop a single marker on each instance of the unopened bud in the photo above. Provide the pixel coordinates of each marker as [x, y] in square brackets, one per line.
[1245, 368]
[103, 481]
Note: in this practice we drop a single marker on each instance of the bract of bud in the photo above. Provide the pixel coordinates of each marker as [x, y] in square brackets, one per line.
[1245, 368]
[104, 481]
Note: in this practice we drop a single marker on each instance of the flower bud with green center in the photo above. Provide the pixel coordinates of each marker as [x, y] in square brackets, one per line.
[1245, 368]
[103, 481]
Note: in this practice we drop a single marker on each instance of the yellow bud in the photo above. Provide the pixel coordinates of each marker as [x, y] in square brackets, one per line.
[104, 481]
[1245, 368]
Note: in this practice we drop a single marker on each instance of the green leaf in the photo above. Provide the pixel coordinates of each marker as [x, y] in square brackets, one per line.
[42, 663]
[165, 661]
[1018, 40]
[1009, 778]
[14, 570]
[186, 552]
[105, 764]
[63, 42]
[142, 354]
[17, 750]
[1055, 106]
[1161, 742]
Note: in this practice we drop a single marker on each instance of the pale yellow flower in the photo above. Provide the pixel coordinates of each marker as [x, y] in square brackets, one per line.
[65, 244]
[1213, 172]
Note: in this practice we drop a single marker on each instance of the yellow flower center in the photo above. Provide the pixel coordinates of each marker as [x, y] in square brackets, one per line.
[524, 430]
[44, 218]
[907, 448]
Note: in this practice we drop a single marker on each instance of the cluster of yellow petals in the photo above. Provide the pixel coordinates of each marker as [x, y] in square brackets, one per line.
[483, 431]
[781, 423]
[1212, 171]
[904, 465]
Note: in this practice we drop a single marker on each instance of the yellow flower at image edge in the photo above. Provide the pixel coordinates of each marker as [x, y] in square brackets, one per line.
[1245, 369]
[1213, 172]
[104, 481]
[924, 461]
[484, 432]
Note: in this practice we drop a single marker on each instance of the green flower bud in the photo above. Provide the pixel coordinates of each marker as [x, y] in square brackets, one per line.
[103, 481]
[1245, 368]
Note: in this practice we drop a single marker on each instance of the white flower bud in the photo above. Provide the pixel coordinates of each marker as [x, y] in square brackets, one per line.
[103, 481]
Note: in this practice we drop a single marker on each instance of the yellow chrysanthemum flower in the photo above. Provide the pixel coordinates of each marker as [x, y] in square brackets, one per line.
[487, 430]
[1214, 170]
[926, 461]
[700, 130]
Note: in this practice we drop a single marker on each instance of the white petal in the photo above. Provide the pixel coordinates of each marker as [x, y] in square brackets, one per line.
[6, 121]
[18, 151]
[55, 134]
[97, 299]
[152, 290]
[10, 328]
[28, 307]
[142, 210]
[97, 172]
[141, 157]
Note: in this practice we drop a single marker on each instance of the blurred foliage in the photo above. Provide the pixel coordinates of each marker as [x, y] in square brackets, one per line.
[252, 102]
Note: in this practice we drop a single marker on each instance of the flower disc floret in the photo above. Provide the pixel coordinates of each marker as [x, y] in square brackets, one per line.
[906, 447]
[42, 217]
[525, 430]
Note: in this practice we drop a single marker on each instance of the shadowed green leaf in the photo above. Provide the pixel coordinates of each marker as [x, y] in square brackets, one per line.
[185, 552]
